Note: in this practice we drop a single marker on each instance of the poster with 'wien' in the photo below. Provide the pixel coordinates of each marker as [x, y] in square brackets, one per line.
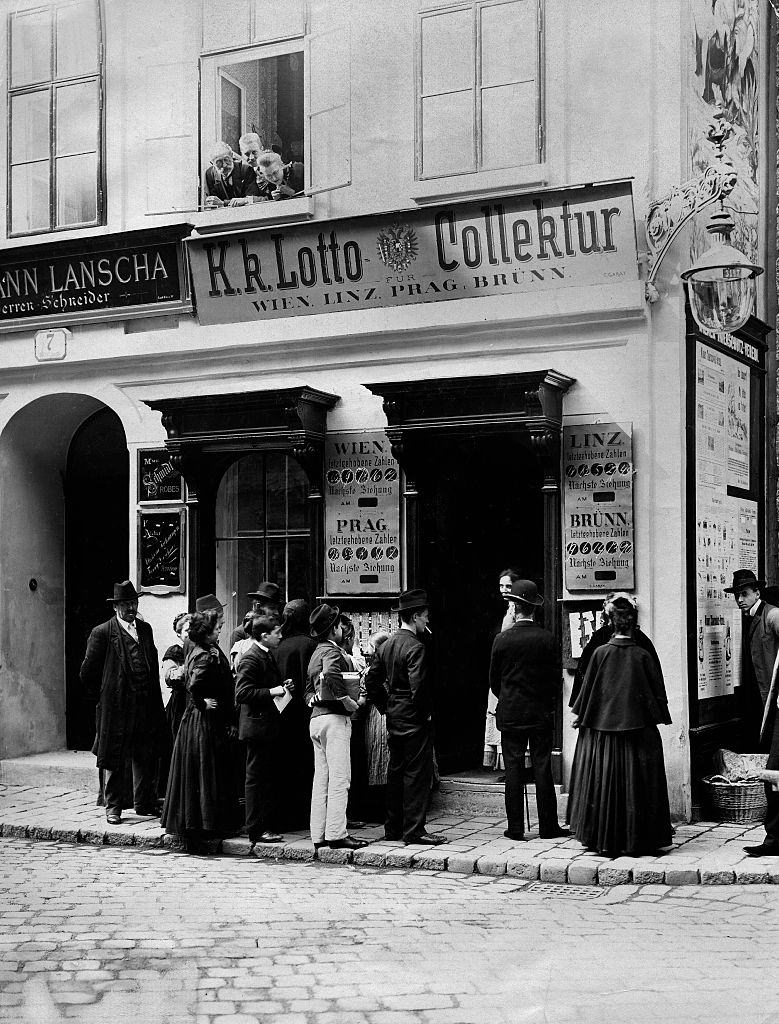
[362, 515]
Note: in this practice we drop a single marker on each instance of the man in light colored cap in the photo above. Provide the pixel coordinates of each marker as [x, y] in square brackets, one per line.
[526, 677]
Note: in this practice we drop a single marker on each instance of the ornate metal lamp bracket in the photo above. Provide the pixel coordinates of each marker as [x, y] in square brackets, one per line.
[667, 216]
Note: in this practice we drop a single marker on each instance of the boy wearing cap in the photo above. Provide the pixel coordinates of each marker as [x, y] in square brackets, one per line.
[330, 730]
[398, 683]
[526, 677]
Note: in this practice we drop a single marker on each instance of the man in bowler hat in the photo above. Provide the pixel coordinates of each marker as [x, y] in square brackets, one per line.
[399, 684]
[121, 673]
[265, 601]
[761, 641]
[526, 677]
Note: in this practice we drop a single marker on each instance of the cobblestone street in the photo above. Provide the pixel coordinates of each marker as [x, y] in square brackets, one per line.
[98, 933]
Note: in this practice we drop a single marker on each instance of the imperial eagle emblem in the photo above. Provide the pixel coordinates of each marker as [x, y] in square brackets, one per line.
[397, 246]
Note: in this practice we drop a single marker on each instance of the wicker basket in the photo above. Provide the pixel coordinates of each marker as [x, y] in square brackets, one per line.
[739, 802]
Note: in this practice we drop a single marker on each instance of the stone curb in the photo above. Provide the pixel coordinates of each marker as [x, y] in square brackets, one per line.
[515, 863]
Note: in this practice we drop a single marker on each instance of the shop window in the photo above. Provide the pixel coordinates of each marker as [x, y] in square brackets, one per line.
[55, 117]
[262, 530]
[479, 87]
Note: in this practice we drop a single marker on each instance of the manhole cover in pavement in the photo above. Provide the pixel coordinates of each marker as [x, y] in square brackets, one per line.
[577, 892]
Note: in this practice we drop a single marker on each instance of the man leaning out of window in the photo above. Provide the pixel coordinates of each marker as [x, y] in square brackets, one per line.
[229, 181]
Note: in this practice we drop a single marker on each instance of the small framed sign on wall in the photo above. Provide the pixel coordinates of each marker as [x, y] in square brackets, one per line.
[162, 545]
[157, 479]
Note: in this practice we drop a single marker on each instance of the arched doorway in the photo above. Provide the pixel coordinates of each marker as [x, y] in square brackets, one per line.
[43, 514]
[262, 530]
[96, 549]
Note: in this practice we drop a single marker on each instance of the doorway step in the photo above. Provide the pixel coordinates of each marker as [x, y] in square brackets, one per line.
[66, 769]
[482, 794]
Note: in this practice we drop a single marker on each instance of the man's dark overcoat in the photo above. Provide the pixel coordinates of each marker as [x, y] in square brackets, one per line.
[105, 674]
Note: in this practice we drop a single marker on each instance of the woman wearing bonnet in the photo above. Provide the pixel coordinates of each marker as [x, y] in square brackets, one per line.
[618, 801]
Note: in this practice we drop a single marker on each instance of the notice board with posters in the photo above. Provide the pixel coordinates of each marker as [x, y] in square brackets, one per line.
[598, 506]
[362, 515]
[725, 521]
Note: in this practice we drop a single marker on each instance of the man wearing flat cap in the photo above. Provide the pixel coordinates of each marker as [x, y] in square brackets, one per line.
[121, 673]
[265, 601]
[526, 677]
[398, 683]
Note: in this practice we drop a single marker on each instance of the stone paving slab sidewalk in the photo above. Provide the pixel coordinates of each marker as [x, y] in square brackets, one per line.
[705, 853]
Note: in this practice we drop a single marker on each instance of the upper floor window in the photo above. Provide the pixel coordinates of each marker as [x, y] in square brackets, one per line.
[55, 117]
[479, 87]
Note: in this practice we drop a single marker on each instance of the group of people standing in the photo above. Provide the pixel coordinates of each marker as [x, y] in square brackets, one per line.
[618, 798]
[272, 731]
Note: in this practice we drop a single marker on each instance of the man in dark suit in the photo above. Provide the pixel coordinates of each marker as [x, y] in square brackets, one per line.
[399, 684]
[265, 601]
[121, 673]
[259, 726]
[761, 644]
[229, 182]
[526, 677]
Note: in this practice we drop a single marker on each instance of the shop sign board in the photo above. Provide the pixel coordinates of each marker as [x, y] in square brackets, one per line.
[157, 479]
[161, 551]
[508, 245]
[362, 515]
[106, 279]
[598, 506]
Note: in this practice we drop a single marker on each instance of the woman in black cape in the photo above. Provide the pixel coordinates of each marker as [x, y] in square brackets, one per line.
[201, 802]
[618, 801]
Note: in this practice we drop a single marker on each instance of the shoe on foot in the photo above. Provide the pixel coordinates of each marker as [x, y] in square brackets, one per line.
[559, 833]
[768, 848]
[354, 823]
[148, 812]
[268, 837]
[425, 840]
[113, 819]
[518, 837]
[347, 843]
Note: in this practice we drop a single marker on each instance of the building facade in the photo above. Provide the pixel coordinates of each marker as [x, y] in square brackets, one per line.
[435, 361]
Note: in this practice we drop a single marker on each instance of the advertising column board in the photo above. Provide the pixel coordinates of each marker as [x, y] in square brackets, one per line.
[598, 506]
[362, 515]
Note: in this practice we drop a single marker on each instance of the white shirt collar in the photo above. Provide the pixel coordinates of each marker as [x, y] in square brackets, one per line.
[755, 609]
[129, 627]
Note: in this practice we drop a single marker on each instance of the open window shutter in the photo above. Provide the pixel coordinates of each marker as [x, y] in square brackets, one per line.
[508, 108]
[328, 52]
[170, 144]
[226, 25]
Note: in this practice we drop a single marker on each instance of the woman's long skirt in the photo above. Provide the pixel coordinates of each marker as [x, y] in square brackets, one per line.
[618, 799]
[201, 797]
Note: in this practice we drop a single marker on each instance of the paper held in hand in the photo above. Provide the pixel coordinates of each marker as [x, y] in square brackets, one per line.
[352, 683]
[281, 702]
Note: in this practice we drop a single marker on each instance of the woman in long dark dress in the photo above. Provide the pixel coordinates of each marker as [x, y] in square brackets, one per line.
[618, 801]
[201, 800]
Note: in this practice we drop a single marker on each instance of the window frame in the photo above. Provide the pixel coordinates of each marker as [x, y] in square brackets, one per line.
[52, 84]
[527, 170]
[211, 66]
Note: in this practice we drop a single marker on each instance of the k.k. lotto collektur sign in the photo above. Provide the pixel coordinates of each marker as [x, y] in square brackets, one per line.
[513, 244]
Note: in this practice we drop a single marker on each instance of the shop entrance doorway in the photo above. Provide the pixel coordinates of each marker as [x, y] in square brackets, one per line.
[96, 550]
[480, 511]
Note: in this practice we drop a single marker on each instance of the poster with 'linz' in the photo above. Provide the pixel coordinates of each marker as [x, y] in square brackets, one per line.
[362, 515]
[598, 506]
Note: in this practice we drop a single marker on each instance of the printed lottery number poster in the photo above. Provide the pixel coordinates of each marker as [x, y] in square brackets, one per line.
[362, 515]
[726, 526]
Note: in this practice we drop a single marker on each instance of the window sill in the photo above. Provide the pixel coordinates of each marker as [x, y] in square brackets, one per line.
[483, 183]
[241, 218]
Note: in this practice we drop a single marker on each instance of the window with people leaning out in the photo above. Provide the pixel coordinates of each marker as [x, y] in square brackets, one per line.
[255, 154]
[54, 107]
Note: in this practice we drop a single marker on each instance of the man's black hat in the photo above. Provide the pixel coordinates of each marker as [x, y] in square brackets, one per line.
[744, 578]
[323, 618]
[124, 591]
[266, 591]
[525, 591]
[412, 600]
